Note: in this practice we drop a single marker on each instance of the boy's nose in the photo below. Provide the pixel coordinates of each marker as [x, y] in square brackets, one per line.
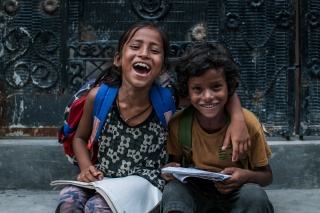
[207, 95]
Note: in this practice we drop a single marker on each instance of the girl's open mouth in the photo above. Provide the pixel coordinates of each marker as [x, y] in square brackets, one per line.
[141, 68]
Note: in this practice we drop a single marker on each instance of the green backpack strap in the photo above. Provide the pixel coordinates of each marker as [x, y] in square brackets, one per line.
[185, 134]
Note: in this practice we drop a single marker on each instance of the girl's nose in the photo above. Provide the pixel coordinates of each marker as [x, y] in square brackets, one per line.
[144, 52]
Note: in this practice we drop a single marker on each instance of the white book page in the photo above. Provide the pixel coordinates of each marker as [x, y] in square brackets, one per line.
[181, 173]
[126, 194]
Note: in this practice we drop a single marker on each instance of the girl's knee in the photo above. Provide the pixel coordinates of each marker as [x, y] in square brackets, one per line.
[71, 198]
[97, 204]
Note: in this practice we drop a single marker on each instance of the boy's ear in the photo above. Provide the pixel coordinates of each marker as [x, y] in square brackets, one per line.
[117, 59]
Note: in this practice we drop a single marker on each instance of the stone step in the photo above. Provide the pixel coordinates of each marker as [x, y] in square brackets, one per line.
[34, 163]
[44, 201]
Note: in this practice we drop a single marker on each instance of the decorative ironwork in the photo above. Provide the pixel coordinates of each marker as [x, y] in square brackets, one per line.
[87, 60]
[11, 7]
[314, 67]
[151, 9]
[177, 49]
[232, 21]
[259, 36]
[284, 20]
[17, 42]
[313, 19]
[18, 73]
[50, 6]
[257, 95]
[256, 4]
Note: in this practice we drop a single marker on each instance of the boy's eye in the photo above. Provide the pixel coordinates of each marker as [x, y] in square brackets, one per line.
[197, 89]
[216, 86]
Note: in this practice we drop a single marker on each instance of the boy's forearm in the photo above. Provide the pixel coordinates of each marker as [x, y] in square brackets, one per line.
[234, 108]
[263, 177]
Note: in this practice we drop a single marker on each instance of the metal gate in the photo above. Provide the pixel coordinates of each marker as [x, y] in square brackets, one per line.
[49, 48]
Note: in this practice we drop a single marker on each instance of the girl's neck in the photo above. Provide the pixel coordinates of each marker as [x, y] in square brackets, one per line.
[133, 95]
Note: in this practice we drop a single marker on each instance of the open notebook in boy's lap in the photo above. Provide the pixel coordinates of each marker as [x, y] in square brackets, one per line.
[181, 173]
[126, 194]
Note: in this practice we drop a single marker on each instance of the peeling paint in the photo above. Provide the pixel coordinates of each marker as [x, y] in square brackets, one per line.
[18, 111]
[16, 133]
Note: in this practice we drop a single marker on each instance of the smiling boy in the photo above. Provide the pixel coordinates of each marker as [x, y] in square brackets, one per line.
[208, 76]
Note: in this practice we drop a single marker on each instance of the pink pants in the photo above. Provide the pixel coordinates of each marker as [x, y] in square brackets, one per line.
[76, 199]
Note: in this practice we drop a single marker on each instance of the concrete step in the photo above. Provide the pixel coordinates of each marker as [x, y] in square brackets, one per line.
[44, 201]
[34, 163]
[29, 165]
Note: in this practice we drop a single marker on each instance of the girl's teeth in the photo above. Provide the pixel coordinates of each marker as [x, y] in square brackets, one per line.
[142, 65]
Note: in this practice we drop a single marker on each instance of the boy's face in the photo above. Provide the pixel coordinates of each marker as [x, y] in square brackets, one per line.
[208, 93]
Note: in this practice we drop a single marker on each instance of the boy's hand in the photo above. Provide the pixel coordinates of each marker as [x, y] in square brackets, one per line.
[239, 136]
[239, 177]
[169, 176]
[90, 174]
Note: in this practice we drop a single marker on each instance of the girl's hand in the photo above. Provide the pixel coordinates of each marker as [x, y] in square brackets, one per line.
[90, 174]
[238, 134]
[239, 177]
[169, 176]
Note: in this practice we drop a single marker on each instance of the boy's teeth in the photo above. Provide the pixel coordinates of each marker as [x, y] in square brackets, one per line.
[209, 106]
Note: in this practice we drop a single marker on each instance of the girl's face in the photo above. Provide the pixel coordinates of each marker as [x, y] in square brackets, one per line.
[208, 93]
[142, 58]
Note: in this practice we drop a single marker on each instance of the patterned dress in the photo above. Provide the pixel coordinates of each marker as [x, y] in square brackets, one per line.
[138, 150]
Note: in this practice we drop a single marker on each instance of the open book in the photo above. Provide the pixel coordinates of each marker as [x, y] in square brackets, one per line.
[182, 173]
[125, 194]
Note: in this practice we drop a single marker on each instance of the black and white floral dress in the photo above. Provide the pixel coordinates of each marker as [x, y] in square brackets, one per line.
[125, 150]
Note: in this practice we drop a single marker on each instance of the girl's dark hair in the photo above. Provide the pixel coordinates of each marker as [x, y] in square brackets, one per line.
[199, 58]
[112, 75]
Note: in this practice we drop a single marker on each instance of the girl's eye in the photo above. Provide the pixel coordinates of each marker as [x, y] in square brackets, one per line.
[155, 51]
[134, 47]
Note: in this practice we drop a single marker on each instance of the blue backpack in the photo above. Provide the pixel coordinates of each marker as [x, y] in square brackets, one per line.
[161, 99]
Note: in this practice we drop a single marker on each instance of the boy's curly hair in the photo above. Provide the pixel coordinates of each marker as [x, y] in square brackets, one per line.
[199, 58]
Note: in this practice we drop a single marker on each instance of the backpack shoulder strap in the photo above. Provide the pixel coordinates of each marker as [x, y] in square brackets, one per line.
[102, 103]
[185, 133]
[185, 127]
[163, 103]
